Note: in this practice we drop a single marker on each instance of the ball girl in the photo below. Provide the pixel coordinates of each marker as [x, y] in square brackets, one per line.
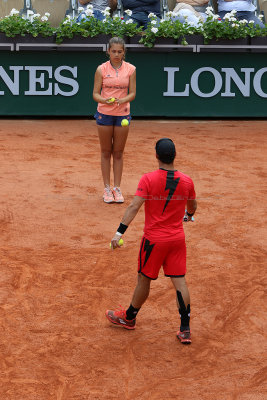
[114, 89]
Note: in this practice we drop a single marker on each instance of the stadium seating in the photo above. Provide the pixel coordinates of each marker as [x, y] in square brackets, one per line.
[57, 8]
[263, 8]
[27, 7]
[7, 5]
[73, 9]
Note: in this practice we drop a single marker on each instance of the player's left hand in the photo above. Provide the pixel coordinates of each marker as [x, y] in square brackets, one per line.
[115, 242]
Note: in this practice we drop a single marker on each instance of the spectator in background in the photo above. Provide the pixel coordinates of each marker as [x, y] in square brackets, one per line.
[198, 5]
[141, 10]
[244, 10]
[98, 7]
[187, 13]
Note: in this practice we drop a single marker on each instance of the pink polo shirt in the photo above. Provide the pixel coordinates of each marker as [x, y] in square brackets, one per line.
[115, 83]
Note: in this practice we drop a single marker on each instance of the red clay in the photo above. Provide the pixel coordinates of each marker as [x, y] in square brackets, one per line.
[58, 275]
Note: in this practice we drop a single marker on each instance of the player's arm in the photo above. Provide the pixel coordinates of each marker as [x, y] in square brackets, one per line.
[132, 210]
[191, 207]
[127, 218]
[132, 90]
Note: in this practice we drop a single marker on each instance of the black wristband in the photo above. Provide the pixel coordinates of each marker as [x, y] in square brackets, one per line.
[122, 228]
[190, 215]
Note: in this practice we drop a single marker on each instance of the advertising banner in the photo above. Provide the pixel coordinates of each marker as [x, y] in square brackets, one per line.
[173, 84]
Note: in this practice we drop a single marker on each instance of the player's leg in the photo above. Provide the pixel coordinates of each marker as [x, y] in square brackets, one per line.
[105, 134]
[127, 318]
[141, 293]
[151, 256]
[183, 303]
[175, 267]
[119, 141]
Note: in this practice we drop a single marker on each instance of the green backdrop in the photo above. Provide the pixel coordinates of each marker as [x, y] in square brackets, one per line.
[236, 84]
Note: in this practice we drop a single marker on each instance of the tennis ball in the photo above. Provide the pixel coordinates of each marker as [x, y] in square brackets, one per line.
[124, 122]
[111, 100]
[120, 243]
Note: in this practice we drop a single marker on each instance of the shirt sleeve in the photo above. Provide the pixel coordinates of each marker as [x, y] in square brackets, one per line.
[131, 69]
[143, 188]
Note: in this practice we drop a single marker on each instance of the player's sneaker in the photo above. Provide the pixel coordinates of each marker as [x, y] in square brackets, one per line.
[118, 317]
[108, 195]
[184, 337]
[118, 197]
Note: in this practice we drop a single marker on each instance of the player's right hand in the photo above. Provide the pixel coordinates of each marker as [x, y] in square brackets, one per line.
[115, 242]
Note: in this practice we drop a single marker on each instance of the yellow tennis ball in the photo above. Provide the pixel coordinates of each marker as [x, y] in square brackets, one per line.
[111, 100]
[124, 122]
[120, 243]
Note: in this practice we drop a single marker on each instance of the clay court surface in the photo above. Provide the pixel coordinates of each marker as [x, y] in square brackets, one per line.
[58, 275]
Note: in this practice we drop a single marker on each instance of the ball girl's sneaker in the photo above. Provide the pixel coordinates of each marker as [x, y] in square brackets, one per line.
[118, 197]
[108, 195]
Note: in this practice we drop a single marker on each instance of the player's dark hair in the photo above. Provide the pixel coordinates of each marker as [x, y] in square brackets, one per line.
[165, 150]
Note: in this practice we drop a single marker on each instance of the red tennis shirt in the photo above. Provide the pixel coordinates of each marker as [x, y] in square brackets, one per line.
[166, 193]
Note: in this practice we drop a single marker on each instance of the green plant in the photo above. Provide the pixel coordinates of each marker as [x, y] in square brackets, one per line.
[90, 26]
[229, 28]
[117, 26]
[256, 30]
[171, 27]
[15, 24]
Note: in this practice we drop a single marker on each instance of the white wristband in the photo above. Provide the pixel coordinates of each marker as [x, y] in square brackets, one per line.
[118, 233]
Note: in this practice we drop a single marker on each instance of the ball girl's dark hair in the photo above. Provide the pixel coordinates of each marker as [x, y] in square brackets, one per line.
[116, 40]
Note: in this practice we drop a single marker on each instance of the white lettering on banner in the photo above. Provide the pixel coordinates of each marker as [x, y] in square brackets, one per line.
[12, 85]
[217, 80]
[66, 81]
[40, 77]
[33, 81]
[257, 82]
[170, 89]
[244, 86]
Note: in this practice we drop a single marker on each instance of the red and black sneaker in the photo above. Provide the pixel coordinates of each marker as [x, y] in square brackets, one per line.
[184, 337]
[118, 317]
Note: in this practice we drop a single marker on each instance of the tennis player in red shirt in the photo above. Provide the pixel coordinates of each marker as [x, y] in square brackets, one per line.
[166, 193]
